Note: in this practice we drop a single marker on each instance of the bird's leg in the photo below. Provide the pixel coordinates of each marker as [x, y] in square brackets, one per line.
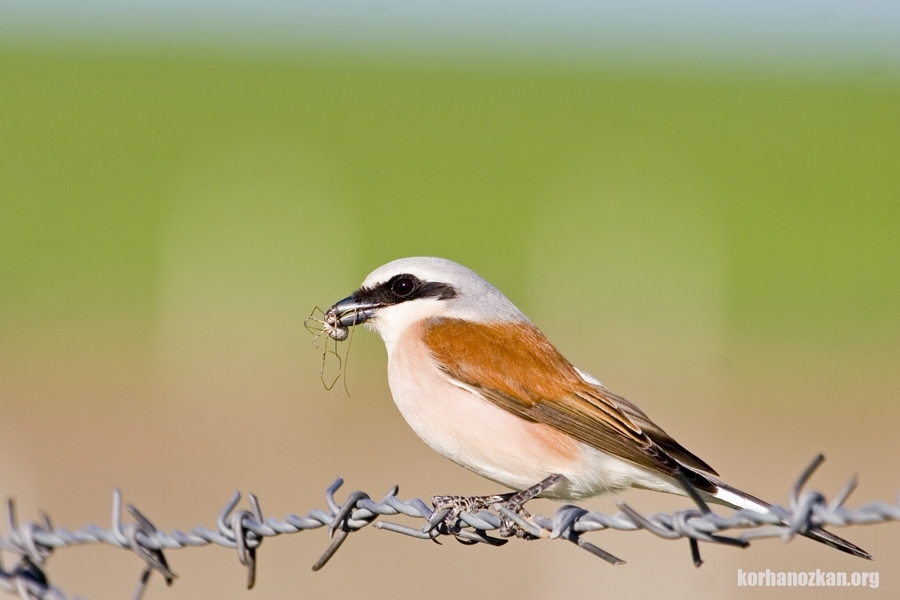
[516, 503]
[518, 500]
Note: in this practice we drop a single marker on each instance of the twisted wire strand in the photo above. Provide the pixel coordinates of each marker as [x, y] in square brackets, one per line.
[244, 530]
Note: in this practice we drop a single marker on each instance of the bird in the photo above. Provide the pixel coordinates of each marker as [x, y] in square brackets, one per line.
[480, 384]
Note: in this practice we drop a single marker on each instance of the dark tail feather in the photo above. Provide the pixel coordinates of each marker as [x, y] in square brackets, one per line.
[735, 498]
[829, 539]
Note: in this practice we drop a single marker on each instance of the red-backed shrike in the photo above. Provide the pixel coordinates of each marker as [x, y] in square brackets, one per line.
[479, 383]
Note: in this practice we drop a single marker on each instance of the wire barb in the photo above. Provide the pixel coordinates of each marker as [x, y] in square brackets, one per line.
[244, 530]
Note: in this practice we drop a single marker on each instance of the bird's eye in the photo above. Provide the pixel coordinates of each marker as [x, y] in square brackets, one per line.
[402, 287]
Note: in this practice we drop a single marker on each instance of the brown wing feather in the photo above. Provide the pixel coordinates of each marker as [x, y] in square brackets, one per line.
[657, 434]
[502, 362]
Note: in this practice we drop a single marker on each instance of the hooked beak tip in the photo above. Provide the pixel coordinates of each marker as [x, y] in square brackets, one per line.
[349, 312]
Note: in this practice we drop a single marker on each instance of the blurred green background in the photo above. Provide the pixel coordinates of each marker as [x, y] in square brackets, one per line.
[722, 246]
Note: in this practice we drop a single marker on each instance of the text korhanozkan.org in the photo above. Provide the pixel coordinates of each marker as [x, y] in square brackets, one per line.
[817, 578]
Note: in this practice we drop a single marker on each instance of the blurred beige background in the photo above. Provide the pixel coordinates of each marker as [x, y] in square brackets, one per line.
[720, 247]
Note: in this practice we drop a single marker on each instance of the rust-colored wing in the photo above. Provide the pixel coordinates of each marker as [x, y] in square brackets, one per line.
[514, 366]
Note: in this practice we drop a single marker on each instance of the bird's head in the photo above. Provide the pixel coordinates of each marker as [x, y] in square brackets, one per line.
[409, 290]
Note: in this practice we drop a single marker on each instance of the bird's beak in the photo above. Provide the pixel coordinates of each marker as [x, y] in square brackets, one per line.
[350, 311]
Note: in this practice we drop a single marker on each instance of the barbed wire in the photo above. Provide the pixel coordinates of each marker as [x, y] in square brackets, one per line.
[244, 530]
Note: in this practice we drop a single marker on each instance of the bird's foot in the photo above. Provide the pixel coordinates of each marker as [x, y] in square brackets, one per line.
[451, 507]
[516, 503]
[448, 508]
[470, 504]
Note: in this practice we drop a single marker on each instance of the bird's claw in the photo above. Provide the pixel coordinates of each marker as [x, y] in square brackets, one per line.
[447, 509]
[452, 506]
[509, 528]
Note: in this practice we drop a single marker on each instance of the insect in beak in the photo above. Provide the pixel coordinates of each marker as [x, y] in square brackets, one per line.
[333, 325]
[324, 331]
